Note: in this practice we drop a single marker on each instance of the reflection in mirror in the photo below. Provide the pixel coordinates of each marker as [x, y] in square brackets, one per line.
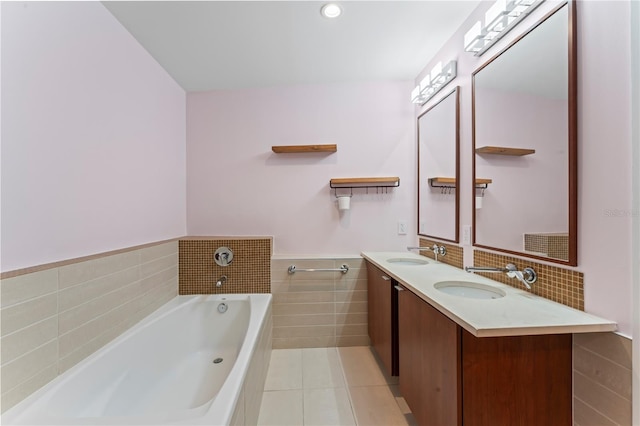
[438, 174]
[524, 142]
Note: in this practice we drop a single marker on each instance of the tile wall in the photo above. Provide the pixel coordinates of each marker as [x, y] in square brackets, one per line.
[54, 318]
[249, 272]
[561, 285]
[319, 309]
[601, 379]
[551, 245]
[454, 256]
[248, 405]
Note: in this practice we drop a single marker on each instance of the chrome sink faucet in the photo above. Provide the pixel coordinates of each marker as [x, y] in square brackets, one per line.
[527, 276]
[437, 250]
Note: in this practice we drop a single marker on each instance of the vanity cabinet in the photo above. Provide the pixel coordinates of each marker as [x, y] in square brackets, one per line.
[524, 380]
[429, 354]
[450, 377]
[383, 317]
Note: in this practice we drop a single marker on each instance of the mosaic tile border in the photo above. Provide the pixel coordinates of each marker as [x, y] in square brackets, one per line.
[454, 256]
[561, 285]
[250, 271]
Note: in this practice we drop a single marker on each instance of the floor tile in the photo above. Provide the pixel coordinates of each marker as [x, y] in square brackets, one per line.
[321, 368]
[327, 407]
[331, 386]
[361, 368]
[376, 406]
[281, 408]
[285, 370]
[402, 404]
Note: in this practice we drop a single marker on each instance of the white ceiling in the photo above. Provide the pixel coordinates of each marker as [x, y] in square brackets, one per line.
[208, 45]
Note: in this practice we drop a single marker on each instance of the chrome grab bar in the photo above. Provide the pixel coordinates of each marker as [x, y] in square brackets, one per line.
[344, 269]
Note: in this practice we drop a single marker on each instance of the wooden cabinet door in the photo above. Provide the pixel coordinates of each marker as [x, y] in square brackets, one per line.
[519, 380]
[429, 353]
[380, 316]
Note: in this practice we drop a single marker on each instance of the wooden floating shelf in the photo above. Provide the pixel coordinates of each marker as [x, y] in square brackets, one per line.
[291, 149]
[365, 182]
[501, 150]
[452, 181]
[439, 182]
[443, 180]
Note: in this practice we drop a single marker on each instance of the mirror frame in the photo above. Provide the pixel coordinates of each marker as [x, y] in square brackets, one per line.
[456, 93]
[572, 138]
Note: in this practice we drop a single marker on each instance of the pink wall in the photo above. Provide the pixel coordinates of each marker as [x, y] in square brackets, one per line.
[237, 186]
[522, 186]
[604, 216]
[93, 136]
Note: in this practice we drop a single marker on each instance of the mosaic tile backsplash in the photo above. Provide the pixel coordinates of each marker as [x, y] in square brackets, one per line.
[250, 271]
[454, 256]
[551, 245]
[558, 284]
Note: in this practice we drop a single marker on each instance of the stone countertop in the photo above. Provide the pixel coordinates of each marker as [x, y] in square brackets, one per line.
[518, 313]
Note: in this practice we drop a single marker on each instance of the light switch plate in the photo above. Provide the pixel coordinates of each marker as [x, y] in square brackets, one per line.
[466, 235]
[402, 228]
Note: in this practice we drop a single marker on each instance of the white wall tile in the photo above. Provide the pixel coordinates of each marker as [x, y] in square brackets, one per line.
[77, 273]
[71, 297]
[24, 314]
[28, 365]
[27, 339]
[12, 396]
[24, 287]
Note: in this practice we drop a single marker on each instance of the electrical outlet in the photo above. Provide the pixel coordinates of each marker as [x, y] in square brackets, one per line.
[402, 228]
[466, 235]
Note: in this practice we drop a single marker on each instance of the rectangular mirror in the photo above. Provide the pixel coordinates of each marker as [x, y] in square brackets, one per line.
[438, 169]
[524, 138]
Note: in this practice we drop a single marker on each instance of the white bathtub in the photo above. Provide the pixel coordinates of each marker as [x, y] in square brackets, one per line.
[162, 371]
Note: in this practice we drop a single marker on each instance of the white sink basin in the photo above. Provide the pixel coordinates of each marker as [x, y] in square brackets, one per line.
[470, 290]
[407, 261]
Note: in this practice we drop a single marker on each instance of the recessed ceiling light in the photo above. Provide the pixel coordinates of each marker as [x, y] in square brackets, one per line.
[331, 10]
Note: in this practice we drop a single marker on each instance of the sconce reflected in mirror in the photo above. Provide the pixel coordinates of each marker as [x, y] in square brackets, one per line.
[433, 82]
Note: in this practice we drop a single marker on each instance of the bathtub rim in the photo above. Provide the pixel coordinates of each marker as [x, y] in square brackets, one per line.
[225, 401]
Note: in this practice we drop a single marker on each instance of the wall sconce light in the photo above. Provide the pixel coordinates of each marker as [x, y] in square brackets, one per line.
[433, 82]
[501, 17]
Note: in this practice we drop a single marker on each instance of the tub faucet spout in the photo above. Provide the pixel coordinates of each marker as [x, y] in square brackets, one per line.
[222, 280]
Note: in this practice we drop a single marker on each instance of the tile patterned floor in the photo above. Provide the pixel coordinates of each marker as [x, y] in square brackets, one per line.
[331, 386]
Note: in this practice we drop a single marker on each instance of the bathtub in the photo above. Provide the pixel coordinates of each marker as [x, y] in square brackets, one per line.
[187, 363]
